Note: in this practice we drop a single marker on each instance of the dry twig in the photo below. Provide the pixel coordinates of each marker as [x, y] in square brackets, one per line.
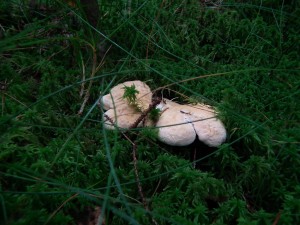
[154, 103]
[87, 94]
[277, 218]
[95, 69]
[134, 147]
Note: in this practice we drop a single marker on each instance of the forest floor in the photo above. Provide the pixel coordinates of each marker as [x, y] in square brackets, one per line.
[58, 165]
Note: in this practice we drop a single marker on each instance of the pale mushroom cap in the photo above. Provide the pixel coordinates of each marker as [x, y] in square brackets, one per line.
[211, 132]
[122, 116]
[200, 119]
[106, 102]
[115, 97]
[179, 135]
[119, 110]
[209, 129]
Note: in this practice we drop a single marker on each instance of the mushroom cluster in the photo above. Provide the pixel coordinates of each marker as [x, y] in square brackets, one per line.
[178, 125]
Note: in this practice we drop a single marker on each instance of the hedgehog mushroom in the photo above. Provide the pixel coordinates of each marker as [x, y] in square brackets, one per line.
[173, 128]
[119, 110]
[179, 124]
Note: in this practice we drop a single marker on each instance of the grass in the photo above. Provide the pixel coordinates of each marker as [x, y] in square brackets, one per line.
[58, 163]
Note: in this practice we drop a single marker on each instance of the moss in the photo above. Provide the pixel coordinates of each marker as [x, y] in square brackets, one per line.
[243, 58]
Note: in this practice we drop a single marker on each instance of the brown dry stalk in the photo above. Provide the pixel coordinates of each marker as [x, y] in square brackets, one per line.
[277, 218]
[87, 94]
[154, 103]
[95, 69]
[83, 79]
[156, 18]
[193, 78]
[134, 147]
[60, 207]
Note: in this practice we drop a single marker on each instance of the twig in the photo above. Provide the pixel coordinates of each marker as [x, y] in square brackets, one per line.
[60, 207]
[277, 218]
[154, 103]
[15, 99]
[139, 183]
[83, 79]
[101, 62]
[2, 101]
[3, 89]
[95, 69]
[137, 177]
[194, 158]
[134, 147]
[135, 171]
[156, 18]
[157, 186]
[87, 94]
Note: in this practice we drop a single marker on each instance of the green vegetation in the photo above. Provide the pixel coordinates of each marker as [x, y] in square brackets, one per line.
[130, 95]
[57, 162]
